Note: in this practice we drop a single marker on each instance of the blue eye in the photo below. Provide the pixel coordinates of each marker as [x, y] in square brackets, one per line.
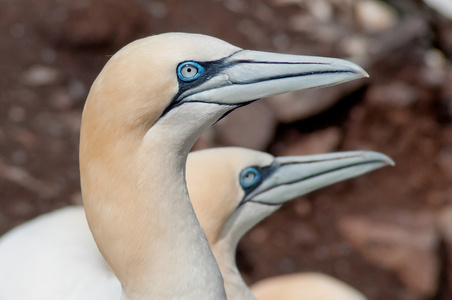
[249, 177]
[189, 71]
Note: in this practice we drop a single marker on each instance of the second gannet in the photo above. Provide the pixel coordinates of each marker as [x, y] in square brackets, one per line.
[54, 256]
[249, 186]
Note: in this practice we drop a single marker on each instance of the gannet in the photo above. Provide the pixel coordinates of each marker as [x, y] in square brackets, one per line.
[144, 111]
[256, 186]
[231, 189]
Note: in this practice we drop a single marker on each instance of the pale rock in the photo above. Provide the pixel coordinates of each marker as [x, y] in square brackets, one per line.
[322, 10]
[40, 76]
[435, 58]
[295, 106]
[444, 7]
[281, 42]
[236, 6]
[354, 46]
[375, 16]
[302, 23]
[434, 72]
[251, 126]
[405, 244]
[329, 34]
[433, 78]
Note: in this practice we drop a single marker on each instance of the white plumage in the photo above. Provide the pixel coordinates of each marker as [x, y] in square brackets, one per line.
[144, 112]
[54, 256]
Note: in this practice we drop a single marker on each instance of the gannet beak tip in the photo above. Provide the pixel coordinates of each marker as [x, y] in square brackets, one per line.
[377, 156]
[352, 67]
[361, 71]
[390, 162]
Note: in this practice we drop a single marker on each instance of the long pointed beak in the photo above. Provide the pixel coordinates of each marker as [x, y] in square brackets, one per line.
[295, 176]
[249, 75]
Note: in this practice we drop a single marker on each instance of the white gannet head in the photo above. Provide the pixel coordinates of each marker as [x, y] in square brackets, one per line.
[147, 107]
[232, 189]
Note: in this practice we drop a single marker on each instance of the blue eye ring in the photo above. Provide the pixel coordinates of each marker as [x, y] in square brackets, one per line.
[246, 181]
[184, 69]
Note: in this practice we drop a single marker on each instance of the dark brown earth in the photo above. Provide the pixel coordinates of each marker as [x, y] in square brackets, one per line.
[388, 233]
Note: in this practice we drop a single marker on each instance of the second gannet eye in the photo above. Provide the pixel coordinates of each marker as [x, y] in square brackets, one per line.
[189, 71]
[249, 177]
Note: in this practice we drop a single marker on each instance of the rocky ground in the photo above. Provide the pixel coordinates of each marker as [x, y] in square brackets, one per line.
[388, 233]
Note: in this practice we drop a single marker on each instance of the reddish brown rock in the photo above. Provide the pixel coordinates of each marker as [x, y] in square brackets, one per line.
[406, 244]
[291, 107]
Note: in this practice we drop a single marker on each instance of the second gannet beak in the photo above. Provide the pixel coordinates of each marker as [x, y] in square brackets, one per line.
[294, 176]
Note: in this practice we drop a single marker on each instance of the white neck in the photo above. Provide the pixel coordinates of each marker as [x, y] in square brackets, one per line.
[142, 218]
[241, 220]
[236, 287]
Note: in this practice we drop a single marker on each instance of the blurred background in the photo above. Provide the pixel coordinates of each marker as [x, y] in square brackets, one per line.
[388, 233]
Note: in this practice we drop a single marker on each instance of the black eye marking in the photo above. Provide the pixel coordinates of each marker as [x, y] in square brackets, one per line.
[249, 177]
[205, 71]
[264, 173]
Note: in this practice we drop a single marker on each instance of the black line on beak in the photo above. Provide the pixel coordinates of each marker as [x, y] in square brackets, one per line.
[244, 200]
